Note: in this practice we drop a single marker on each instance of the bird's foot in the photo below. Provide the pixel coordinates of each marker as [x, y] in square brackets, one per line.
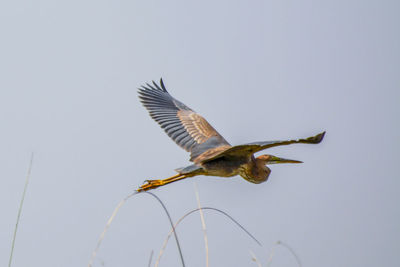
[150, 184]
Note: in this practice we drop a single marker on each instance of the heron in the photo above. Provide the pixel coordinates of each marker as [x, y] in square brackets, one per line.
[210, 153]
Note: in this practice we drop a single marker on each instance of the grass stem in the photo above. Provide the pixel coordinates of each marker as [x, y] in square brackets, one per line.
[203, 223]
[20, 210]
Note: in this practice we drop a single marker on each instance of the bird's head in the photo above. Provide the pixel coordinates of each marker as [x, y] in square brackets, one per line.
[261, 172]
[271, 159]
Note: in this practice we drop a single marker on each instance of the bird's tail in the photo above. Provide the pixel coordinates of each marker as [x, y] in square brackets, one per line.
[190, 170]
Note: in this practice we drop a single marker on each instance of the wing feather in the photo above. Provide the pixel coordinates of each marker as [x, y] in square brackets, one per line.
[251, 148]
[187, 128]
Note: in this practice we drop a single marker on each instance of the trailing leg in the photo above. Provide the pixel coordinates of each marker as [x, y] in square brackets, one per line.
[152, 184]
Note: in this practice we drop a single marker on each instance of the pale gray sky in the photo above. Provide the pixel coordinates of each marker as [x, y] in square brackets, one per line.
[257, 70]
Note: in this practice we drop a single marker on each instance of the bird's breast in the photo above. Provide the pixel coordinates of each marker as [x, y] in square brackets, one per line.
[253, 174]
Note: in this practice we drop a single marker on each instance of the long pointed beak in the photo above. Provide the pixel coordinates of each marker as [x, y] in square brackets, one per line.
[276, 160]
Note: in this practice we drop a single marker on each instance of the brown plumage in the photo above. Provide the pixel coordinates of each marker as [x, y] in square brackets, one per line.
[211, 154]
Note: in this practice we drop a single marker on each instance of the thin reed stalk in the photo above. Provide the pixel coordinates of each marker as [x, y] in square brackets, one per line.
[151, 258]
[20, 210]
[203, 223]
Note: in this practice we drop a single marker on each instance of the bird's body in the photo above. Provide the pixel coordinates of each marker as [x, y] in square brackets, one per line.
[225, 167]
[211, 153]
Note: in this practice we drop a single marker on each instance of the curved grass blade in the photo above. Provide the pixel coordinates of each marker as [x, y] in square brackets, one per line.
[193, 211]
[288, 248]
[120, 204]
[172, 225]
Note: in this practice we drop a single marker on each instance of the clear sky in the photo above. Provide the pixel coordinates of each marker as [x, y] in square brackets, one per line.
[256, 70]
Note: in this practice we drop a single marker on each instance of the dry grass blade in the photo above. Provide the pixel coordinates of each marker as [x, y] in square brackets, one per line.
[271, 255]
[254, 258]
[20, 210]
[203, 223]
[193, 211]
[120, 204]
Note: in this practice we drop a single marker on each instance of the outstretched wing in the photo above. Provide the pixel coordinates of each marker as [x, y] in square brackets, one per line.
[251, 148]
[187, 128]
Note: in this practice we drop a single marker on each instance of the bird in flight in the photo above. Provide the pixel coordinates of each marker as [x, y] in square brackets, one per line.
[211, 154]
